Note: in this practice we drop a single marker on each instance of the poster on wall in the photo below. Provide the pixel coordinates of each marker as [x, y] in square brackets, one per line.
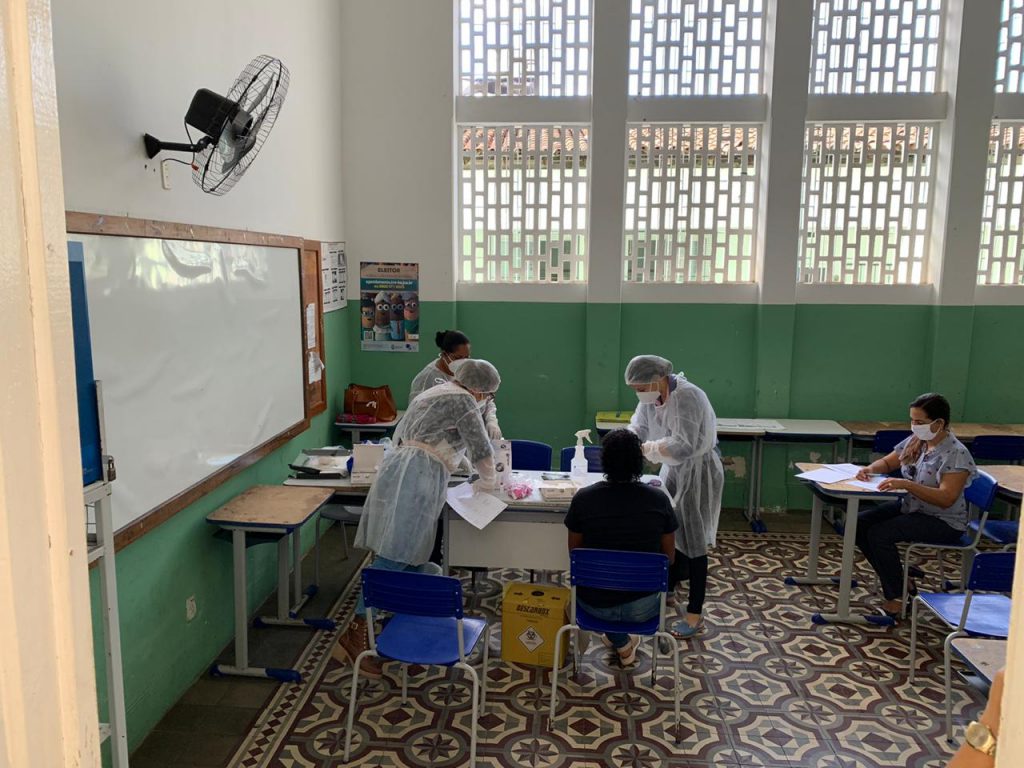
[334, 275]
[389, 306]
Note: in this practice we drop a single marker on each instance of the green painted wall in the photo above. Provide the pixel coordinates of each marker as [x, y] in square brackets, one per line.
[162, 654]
[561, 363]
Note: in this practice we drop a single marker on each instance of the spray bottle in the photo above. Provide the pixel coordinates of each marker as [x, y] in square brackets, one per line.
[578, 467]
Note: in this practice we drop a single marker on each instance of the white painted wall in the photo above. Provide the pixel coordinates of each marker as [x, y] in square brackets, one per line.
[125, 68]
[396, 136]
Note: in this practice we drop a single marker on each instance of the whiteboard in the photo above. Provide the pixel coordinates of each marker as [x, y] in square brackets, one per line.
[199, 349]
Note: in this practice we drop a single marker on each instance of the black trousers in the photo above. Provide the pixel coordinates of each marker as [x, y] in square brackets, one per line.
[881, 528]
[694, 570]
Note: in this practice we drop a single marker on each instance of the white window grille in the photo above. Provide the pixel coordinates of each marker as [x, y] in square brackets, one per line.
[876, 46]
[524, 47]
[523, 204]
[1010, 54]
[1001, 258]
[691, 203]
[696, 47]
[866, 202]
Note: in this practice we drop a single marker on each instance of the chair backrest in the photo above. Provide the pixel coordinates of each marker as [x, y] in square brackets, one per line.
[992, 572]
[417, 594]
[887, 439]
[592, 454]
[982, 491]
[529, 454]
[997, 447]
[620, 571]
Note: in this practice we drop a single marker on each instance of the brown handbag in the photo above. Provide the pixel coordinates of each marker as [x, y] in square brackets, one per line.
[375, 402]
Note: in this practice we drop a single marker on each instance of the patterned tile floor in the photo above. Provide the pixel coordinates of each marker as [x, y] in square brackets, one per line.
[762, 687]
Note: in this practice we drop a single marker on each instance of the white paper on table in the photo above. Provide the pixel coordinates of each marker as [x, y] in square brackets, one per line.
[870, 485]
[850, 469]
[825, 475]
[477, 509]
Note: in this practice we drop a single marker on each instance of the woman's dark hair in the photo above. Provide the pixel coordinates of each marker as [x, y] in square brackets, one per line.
[449, 341]
[935, 405]
[622, 456]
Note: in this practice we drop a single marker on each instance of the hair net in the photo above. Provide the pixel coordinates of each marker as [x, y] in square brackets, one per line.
[645, 369]
[478, 375]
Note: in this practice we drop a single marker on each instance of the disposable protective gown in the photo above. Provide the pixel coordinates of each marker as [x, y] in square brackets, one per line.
[683, 431]
[441, 427]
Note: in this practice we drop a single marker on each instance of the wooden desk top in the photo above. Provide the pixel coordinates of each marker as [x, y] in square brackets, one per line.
[844, 488]
[984, 656]
[1009, 477]
[963, 430]
[270, 506]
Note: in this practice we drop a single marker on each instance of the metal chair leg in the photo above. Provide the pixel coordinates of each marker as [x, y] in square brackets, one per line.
[913, 639]
[554, 673]
[352, 700]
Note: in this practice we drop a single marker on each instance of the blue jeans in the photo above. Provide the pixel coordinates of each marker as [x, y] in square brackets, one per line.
[383, 564]
[638, 610]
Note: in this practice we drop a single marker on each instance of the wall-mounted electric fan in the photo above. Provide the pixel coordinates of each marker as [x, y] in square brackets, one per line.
[234, 127]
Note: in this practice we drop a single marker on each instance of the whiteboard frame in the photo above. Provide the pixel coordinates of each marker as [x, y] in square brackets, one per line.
[78, 223]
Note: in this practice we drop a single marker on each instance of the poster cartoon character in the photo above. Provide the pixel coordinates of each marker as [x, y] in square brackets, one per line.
[412, 315]
[382, 317]
[397, 308]
[366, 317]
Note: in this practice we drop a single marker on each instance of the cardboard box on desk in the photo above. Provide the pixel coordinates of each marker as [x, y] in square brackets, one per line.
[531, 615]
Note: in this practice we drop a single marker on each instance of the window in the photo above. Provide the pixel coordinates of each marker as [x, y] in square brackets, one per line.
[522, 176]
[876, 46]
[696, 47]
[691, 202]
[522, 200]
[692, 188]
[1010, 56]
[524, 47]
[1001, 258]
[867, 197]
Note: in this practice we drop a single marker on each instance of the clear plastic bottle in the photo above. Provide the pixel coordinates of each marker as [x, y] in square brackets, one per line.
[578, 467]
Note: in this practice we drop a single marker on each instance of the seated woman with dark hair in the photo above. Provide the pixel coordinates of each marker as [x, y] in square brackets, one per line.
[624, 514]
[935, 469]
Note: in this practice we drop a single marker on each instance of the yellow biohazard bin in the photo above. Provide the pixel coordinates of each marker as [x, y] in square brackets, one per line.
[531, 615]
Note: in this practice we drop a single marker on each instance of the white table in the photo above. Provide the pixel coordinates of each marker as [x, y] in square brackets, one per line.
[853, 496]
[356, 429]
[529, 534]
[277, 511]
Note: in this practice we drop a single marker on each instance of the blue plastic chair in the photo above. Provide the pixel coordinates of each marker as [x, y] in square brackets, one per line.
[980, 496]
[1003, 532]
[529, 454]
[887, 439]
[592, 454]
[621, 571]
[968, 614]
[1005, 448]
[427, 627]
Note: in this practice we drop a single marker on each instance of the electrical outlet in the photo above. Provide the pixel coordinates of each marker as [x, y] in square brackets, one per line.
[190, 608]
[165, 174]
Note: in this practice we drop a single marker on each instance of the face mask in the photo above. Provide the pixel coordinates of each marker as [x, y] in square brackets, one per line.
[923, 431]
[648, 398]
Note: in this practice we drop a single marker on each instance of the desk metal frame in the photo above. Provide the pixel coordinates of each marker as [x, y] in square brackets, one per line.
[290, 598]
[823, 494]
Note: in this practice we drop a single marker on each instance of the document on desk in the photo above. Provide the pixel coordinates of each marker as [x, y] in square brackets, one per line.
[872, 484]
[831, 473]
[477, 509]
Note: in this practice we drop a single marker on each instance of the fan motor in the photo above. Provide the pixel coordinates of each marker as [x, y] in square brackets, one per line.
[210, 113]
